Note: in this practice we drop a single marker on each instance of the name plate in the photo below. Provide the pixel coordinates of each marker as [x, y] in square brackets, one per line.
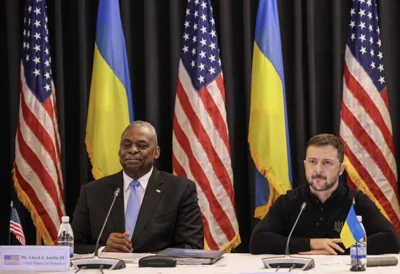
[34, 258]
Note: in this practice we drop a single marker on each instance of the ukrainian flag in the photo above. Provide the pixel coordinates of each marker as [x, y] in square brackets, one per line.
[268, 128]
[110, 105]
[352, 231]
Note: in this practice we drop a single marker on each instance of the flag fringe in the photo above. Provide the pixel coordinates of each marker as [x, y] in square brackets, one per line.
[97, 174]
[232, 244]
[261, 211]
[266, 172]
[272, 181]
[359, 182]
[37, 220]
[228, 246]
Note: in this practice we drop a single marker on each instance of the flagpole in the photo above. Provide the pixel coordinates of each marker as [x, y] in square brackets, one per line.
[9, 228]
[357, 260]
[38, 238]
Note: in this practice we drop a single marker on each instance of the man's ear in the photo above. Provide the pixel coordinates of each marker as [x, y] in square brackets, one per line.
[157, 152]
[342, 168]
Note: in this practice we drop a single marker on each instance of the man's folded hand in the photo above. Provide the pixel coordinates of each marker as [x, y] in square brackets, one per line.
[118, 242]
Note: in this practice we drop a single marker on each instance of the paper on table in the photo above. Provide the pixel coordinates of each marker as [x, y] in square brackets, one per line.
[332, 260]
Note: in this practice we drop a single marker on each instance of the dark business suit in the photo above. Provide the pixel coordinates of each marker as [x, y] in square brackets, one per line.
[169, 215]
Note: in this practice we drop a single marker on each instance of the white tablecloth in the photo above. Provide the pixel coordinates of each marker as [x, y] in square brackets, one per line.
[246, 264]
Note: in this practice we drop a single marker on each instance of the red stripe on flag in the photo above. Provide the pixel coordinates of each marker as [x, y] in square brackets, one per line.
[350, 183]
[33, 161]
[41, 134]
[55, 134]
[17, 233]
[201, 134]
[215, 116]
[221, 86]
[368, 144]
[202, 180]
[373, 187]
[42, 212]
[369, 106]
[55, 119]
[16, 227]
[48, 107]
[209, 239]
[385, 97]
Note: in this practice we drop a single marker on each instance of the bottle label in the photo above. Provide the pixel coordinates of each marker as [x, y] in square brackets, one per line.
[66, 240]
[358, 253]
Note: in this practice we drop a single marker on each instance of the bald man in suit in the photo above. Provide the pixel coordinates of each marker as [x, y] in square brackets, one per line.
[168, 214]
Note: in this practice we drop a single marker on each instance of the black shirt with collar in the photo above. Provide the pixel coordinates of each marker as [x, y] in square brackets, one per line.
[320, 220]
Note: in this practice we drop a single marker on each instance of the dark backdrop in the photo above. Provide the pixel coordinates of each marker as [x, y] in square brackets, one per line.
[313, 37]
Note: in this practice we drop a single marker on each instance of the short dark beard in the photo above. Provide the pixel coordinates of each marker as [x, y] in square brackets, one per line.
[327, 186]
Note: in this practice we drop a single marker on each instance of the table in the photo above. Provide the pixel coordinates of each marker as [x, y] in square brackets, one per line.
[246, 263]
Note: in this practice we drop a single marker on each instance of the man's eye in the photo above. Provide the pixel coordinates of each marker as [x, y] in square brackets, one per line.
[127, 145]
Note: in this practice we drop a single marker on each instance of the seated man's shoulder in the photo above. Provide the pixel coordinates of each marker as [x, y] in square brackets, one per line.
[350, 193]
[362, 200]
[295, 194]
[100, 183]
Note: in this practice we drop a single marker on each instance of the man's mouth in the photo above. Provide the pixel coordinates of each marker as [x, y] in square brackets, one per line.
[132, 160]
[319, 178]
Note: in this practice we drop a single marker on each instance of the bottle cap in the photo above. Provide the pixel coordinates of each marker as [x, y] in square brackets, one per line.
[359, 218]
[65, 219]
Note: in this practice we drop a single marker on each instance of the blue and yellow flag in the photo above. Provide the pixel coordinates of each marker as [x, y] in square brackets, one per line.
[268, 129]
[352, 231]
[110, 105]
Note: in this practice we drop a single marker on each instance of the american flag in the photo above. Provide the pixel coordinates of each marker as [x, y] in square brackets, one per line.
[11, 259]
[365, 127]
[37, 167]
[201, 150]
[16, 227]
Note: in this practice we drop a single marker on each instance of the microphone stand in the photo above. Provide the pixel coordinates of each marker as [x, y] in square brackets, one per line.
[97, 262]
[288, 261]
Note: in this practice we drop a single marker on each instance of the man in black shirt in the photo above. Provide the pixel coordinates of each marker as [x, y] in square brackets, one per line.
[328, 203]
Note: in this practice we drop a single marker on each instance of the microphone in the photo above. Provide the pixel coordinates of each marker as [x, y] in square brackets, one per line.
[97, 262]
[96, 249]
[303, 206]
[288, 261]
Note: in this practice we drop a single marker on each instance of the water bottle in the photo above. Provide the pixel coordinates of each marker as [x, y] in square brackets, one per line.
[358, 252]
[66, 235]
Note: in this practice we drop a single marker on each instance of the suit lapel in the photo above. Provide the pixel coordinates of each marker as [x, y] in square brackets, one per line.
[152, 196]
[117, 214]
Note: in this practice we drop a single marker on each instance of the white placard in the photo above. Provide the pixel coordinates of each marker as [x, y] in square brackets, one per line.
[34, 258]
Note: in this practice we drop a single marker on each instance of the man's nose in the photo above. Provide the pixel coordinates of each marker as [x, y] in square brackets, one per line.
[133, 149]
[319, 168]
